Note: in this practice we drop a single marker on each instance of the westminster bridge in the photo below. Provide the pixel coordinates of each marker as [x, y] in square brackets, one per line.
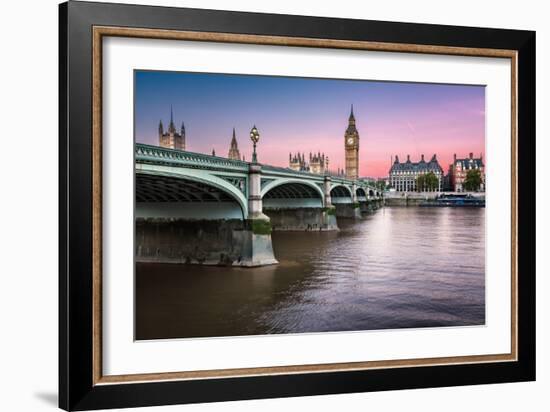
[231, 206]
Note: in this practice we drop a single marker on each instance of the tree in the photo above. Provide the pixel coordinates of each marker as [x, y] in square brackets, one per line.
[432, 182]
[427, 182]
[472, 182]
[420, 183]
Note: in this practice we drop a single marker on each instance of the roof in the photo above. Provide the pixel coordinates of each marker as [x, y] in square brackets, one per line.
[469, 163]
[417, 167]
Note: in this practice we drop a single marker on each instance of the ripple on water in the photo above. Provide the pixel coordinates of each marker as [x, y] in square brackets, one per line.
[399, 268]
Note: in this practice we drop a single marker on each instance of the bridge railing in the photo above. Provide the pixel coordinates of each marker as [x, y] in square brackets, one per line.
[156, 154]
[146, 152]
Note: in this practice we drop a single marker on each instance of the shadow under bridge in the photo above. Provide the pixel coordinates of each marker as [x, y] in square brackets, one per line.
[185, 197]
[296, 205]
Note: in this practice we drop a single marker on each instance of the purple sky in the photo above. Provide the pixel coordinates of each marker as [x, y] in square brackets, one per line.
[303, 114]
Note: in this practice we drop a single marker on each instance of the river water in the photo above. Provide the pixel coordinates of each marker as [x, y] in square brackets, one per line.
[400, 267]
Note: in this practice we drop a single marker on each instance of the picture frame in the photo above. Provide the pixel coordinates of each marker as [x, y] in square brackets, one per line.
[82, 28]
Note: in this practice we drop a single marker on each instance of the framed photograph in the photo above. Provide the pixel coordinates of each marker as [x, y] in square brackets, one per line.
[257, 206]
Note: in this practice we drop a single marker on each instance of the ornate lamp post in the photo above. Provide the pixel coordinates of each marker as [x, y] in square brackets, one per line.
[255, 137]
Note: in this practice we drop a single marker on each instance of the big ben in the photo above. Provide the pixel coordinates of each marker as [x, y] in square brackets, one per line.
[351, 143]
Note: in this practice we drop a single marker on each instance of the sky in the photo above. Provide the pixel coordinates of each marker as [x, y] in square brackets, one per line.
[309, 115]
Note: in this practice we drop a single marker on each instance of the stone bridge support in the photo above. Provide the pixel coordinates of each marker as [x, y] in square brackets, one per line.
[256, 236]
[347, 206]
[299, 206]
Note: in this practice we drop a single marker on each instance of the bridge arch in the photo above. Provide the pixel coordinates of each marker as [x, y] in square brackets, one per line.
[292, 193]
[371, 192]
[361, 192]
[155, 185]
[340, 191]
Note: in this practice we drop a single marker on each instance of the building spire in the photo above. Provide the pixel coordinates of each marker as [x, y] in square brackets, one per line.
[351, 116]
[171, 126]
[234, 148]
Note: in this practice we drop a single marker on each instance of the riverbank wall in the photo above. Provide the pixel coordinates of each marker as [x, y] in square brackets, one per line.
[416, 198]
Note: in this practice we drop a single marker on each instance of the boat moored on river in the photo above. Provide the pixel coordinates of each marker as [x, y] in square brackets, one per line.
[455, 200]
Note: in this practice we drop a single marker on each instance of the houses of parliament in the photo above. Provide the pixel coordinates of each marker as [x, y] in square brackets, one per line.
[316, 163]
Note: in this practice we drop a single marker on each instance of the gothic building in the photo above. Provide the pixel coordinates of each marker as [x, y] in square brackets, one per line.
[459, 169]
[172, 139]
[351, 143]
[318, 162]
[297, 162]
[403, 175]
[234, 153]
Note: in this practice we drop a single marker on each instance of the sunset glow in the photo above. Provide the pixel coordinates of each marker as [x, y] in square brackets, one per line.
[310, 115]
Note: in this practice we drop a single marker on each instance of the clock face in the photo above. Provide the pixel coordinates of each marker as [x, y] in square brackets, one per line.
[350, 140]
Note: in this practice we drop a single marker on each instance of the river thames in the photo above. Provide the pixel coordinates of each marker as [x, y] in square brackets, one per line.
[399, 267]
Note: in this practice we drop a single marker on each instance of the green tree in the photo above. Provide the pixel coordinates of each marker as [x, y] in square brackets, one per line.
[432, 183]
[420, 183]
[425, 182]
[472, 182]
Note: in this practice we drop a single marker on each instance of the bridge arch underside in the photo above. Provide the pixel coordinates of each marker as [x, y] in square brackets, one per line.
[361, 195]
[340, 194]
[296, 206]
[195, 220]
[184, 198]
[292, 195]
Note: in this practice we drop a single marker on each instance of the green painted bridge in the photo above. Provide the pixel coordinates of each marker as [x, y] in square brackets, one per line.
[215, 189]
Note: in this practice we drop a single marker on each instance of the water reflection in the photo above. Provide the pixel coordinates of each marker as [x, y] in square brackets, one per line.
[397, 268]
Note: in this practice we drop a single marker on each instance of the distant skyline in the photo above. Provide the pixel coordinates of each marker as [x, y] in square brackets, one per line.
[311, 115]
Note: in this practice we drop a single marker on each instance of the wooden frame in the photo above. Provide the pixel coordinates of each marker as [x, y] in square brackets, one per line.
[82, 27]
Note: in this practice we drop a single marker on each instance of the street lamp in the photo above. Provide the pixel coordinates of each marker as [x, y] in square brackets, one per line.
[254, 136]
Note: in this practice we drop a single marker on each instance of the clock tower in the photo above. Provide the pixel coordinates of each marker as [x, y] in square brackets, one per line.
[351, 143]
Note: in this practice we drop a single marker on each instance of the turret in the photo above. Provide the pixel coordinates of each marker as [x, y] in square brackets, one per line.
[161, 128]
[234, 153]
[171, 126]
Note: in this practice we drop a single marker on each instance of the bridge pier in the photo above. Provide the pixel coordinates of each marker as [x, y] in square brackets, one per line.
[348, 210]
[364, 206]
[329, 211]
[302, 219]
[256, 237]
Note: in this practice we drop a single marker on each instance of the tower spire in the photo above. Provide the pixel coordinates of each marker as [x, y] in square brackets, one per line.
[234, 148]
[171, 126]
[351, 116]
